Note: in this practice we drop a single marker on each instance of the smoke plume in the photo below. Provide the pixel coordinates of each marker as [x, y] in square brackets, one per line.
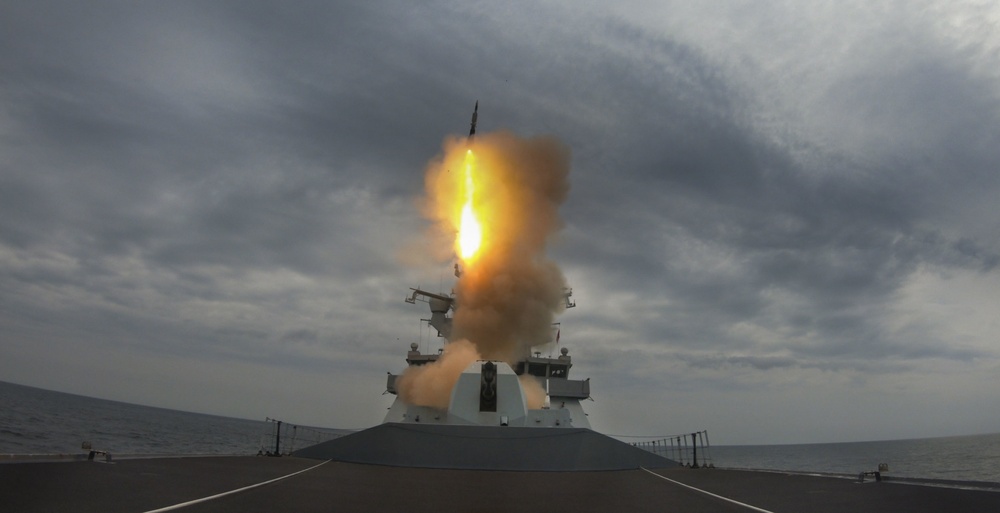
[509, 293]
[431, 384]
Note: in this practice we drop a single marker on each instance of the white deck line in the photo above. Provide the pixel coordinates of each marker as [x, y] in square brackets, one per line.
[230, 492]
[755, 508]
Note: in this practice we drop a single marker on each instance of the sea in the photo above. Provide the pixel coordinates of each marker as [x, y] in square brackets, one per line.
[34, 421]
[973, 458]
[42, 422]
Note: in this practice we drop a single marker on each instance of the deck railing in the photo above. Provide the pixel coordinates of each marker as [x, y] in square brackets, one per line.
[282, 438]
[691, 450]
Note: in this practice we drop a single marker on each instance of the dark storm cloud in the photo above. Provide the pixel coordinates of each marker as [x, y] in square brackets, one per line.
[840, 235]
[147, 190]
[181, 177]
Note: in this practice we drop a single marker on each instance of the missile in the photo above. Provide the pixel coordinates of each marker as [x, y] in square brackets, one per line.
[475, 115]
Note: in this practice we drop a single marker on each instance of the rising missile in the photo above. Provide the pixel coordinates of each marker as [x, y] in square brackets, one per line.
[475, 114]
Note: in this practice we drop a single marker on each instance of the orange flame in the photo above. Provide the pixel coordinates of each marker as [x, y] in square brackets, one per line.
[470, 231]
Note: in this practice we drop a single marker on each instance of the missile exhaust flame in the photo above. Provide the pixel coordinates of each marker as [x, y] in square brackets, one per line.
[470, 232]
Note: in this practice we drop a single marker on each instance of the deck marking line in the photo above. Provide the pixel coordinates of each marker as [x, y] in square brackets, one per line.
[230, 492]
[727, 499]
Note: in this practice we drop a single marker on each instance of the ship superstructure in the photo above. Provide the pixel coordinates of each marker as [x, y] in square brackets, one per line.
[488, 424]
[490, 392]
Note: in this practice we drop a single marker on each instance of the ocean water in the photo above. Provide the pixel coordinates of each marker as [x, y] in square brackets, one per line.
[956, 458]
[36, 421]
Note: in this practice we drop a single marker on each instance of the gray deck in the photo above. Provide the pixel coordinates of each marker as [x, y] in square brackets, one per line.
[143, 485]
[485, 448]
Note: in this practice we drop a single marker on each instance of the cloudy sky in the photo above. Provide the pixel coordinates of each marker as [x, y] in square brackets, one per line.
[781, 226]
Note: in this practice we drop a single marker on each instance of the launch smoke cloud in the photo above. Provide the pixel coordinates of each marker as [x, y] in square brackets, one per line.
[509, 291]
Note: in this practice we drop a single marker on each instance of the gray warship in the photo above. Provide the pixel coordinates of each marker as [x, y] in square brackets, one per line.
[488, 424]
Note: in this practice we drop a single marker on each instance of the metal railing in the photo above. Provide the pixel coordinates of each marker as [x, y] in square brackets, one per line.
[282, 438]
[691, 450]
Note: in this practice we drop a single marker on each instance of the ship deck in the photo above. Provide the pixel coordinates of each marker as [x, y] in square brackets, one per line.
[250, 484]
